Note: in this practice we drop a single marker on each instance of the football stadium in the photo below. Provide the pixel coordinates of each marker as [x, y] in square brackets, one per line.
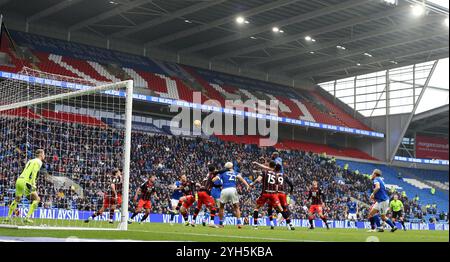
[224, 120]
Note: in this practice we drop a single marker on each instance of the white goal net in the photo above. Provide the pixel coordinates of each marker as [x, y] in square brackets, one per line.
[66, 118]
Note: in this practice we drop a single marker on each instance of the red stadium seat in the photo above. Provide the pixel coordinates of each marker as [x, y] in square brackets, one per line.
[72, 118]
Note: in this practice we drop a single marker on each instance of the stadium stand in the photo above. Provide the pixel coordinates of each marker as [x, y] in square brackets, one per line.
[166, 155]
[169, 83]
[395, 178]
[301, 145]
[430, 178]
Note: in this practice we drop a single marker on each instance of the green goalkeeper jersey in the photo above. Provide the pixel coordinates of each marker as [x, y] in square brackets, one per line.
[31, 170]
[396, 205]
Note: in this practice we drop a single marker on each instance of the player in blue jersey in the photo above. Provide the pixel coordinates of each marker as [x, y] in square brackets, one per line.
[352, 210]
[278, 160]
[177, 188]
[381, 198]
[229, 192]
[216, 191]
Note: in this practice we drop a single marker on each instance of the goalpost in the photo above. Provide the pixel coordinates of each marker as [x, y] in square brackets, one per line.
[67, 118]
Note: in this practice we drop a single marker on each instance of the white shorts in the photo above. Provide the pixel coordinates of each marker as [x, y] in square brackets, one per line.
[382, 207]
[174, 202]
[352, 216]
[229, 195]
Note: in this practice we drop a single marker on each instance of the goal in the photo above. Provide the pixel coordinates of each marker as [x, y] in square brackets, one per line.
[84, 129]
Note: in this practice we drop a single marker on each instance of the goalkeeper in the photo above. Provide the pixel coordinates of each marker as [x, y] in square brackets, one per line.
[26, 185]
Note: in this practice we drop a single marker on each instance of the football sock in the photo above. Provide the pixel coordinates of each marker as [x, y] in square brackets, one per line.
[255, 217]
[95, 214]
[377, 221]
[195, 214]
[12, 207]
[389, 222]
[111, 214]
[311, 222]
[403, 224]
[206, 216]
[33, 206]
[144, 217]
[324, 219]
[372, 222]
[134, 215]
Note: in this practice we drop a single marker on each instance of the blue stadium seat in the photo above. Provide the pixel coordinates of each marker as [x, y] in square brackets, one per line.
[390, 175]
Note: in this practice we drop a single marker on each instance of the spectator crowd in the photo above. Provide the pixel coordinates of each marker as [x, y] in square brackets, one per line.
[86, 155]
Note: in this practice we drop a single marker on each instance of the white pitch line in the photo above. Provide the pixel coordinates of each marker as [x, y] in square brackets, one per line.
[67, 239]
[228, 236]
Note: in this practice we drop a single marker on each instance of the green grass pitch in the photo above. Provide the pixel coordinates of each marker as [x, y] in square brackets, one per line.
[179, 232]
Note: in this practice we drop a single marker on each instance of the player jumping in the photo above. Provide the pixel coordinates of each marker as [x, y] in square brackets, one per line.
[270, 180]
[204, 195]
[26, 185]
[229, 192]
[112, 198]
[283, 182]
[144, 193]
[317, 205]
[381, 198]
[176, 195]
[187, 200]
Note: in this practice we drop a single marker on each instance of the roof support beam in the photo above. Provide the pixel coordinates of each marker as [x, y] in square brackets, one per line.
[406, 62]
[389, 57]
[52, 9]
[320, 46]
[108, 14]
[360, 51]
[318, 31]
[219, 22]
[165, 18]
[416, 105]
[292, 20]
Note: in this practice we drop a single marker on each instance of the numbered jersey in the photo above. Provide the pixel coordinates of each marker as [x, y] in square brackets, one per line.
[117, 182]
[270, 182]
[229, 179]
[282, 186]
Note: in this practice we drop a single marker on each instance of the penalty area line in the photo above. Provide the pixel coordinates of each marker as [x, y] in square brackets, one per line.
[227, 236]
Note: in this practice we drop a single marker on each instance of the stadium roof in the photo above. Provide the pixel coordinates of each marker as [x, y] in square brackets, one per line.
[295, 39]
[433, 122]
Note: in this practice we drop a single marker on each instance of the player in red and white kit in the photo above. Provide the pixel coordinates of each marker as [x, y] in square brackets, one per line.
[144, 193]
[204, 196]
[317, 204]
[282, 189]
[269, 194]
[187, 200]
[112, 198]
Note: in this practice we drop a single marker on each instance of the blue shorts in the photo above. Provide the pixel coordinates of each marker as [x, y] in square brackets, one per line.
[215, 193]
